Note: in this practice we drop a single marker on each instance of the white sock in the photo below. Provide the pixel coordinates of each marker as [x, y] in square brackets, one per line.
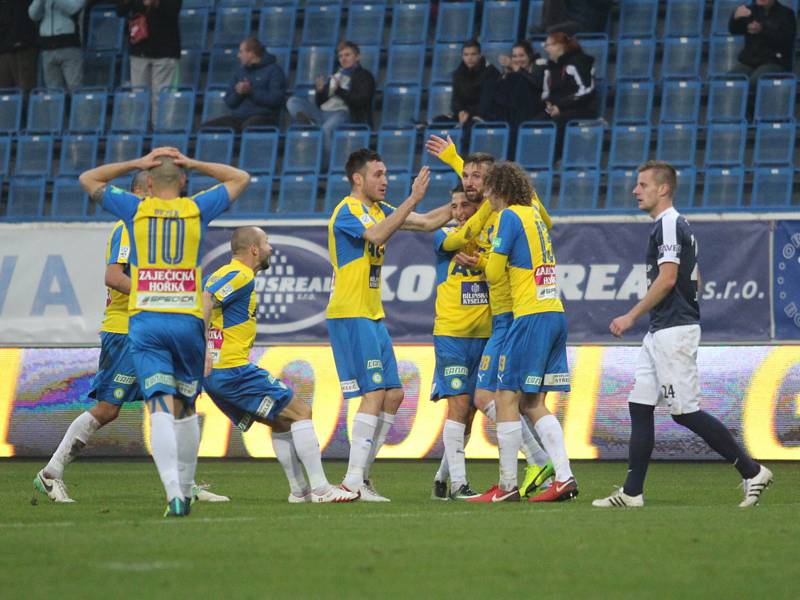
[552, 436]
[453, 436]
[187, 438]
[534, 453]
[77, 436]
[306, 446]
[360, 447]
[491, 411]
[509, 439]
[385, 422]
[165, 452]
[444, 469]
[287, 457]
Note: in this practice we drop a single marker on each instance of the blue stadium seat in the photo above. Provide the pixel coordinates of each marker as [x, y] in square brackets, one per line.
[336, 188]
[439, 97]
[543, 186]
[680, 100]
[492, 51]
[10, 110]
[298, 194]
[633, 102]
[397, 147]
[684, 18]
[583, 142]
[677, 144]
[400, 105]
[69, 199]
[99, 67]
[637, 18]
[399, 187]
[370, 59]
[723, 188]
[105, 29]
[255, 200]
[446, 58]
[26, 197]
[214, 103]
[321, 25]
[311, 62]
[175, 109]
[579, 191]
[131, 111]
[772, 187]
[258, 150]
[721, 14]
[283, 56]
[442, 130]
[78, 154]
[87, 111]
[198, 3]
[776, 97]
[34, 155]
[221, 64]
[365, 23]
[500, 22]
[174, 139]
[123, 146]
[410, 23]
[630, 146]
[725, 143]
[199, 183]
[775, 144]
[727, 98]
[534, 21]
[491, 138]
[442, 183]
[406, 64]
[231, 25]
[193, 24]
[455, 22]
[303, 149]
[46, 110]
[214, 145]
[687, 182]
[596, 45]
[536, 143]
[619, 189]
[723, 53]
[5, 154]
[681, 57]
[276, 25]
[346, 140]
[635, 58]
[189, 68]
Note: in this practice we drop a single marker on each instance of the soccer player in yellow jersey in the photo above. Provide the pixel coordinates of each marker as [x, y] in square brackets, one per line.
[166, 333]
[533, 360]
[358, 230]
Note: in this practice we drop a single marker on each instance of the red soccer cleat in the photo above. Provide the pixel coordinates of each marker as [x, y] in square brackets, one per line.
[495, 494]
[558, 492]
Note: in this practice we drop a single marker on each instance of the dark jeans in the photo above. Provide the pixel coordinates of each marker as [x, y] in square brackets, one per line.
[18, 69]
[755, 73]
[238, 123]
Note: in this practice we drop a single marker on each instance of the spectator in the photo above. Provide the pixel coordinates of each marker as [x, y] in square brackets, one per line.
[154, 43]
[517, 94]
[59, 41]
[17, 46]
[256, 92]
[769, 31]
[586, 16]
[471, 94]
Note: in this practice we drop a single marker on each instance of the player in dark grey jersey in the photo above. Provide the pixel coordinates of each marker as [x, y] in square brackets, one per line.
[666, 369]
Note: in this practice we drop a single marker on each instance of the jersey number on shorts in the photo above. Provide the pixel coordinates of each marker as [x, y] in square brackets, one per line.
[668, 391]
[170, 229]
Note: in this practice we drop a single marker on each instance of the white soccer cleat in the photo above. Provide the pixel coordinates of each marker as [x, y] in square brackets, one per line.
[620, 499]
[755, 486]
[201, 493]
[55, 489]
[335, 493]
[306, 497]
[370, 494]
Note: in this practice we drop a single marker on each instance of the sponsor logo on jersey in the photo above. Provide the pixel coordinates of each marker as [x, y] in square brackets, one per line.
[266, 405]
[374, 364]
[186, 388]
[474, 293]
[124, 253]
[533, 380]
[556, 379]
[496, 242]
[374, 276]
[119, 393]
[456, 370]
[159, 378]
[225, 291]
[377, 378]
[124, 379]
[456, 384]
[351, 385]
[172, 281]
[366, 220]
[669, 249]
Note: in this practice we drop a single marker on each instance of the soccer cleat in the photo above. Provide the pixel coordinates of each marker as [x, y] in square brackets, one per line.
[306, 497]
[370, 494]
[619, 499]
[55, 489]
[495, 494]
[335, 494]
[535, 476]
[439, 491]
[201, 494]
[177, 507]
[464, 492]
[558, 492]
[754, 487]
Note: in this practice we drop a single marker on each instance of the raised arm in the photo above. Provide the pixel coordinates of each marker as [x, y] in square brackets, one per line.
[235, 180]
[429, 221]
[445, 151]
[463, 236]
[380, 233]
[94, 181]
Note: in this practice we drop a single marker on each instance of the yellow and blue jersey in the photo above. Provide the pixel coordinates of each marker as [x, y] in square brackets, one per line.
[118, 251]
[233, 320]
[356, 262]
[166, 247]
[527, 261]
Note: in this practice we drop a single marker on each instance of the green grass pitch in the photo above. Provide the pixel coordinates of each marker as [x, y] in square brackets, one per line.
[690, 540]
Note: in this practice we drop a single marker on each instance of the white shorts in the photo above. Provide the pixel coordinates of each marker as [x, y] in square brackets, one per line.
[666, 370]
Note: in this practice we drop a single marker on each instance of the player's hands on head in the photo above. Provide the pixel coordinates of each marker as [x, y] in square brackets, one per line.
[620, 325]
[184, 161]
[148, 161]
[468, 261]
[420, 185]
[436, 145]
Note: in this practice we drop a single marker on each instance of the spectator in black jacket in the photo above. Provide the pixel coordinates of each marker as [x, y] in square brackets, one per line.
[769, 31]
[256, 92]
[471, 94]
[154, 49]
[517, 95]
[17, 46]
[344, 97]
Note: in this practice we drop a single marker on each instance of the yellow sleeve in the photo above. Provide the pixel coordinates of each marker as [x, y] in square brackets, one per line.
[459, 238]
[543, 211]
[482, 261]
[495, 267]
[450, 157]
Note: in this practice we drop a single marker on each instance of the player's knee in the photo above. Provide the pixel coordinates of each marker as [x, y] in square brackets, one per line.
[303, 410]
[458, 408]
[105, 412]
[393, 399]
[482, 400]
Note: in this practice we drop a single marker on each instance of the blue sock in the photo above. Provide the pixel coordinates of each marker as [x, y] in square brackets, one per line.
[640, 448]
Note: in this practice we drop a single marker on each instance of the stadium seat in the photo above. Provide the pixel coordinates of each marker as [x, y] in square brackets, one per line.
[276, 25]
[5, 155]
[725, 144]
[175, 109]
[406, 64]
[26, 197]
[397, 147]
[198, 3]
[596, 45]
[365, 23]
[442, 183]
[633, 102]
[346, 140]
[258, 150]
[536, 143]
[283, 56]
[10, 110]
[46, 111]
[681, 57]
[34, 155]
[491, 138]
[723, 53]
[231, 25]
[446, 58]
[579, 191]
[500, 22]
[298, 194]
[492, 51]
[727, 98]
[189, 67]
[303, 150]
[221, 64]
[179, 140]
[775, 144]
[723, 188]
[684, 18]
[635, 58]
[721, 14]
[255, 200]
[776, 97]
[123, 146]
[534, 22]
[680, 100]
[772, 187]
[399, 187]
[630, 146]
[321, 25]
[193, 23]
[87, 111]
[214, 103]
[442, 130]
[131, 111]
[687, 182]
[637, 18]
[311, 62]
[619, 189]
[200, 183]
[410, 23]
[99, 68]
[400, 105]
[78, 154]
[439, 97]
[337, 187]
[583, 142]
[677, 144]
[215, 145]
[105, 29]
[455, 22]
[543, 185]
[70, 200]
